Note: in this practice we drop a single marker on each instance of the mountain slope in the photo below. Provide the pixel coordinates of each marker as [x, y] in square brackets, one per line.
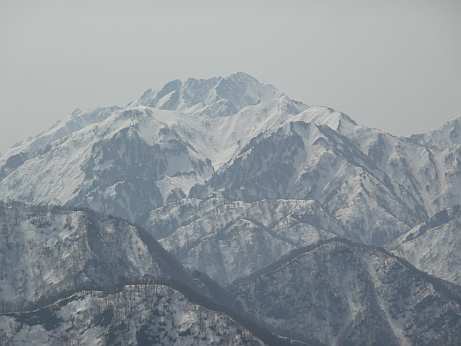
[50, 251]
[63, 257]
[426, 176]
[342, 293]
[124, 165]
[127, 161]
[435, 246]
[229, 174]
[229, 239]
[216, 96]
[132, 315]
[308, 161]
[423, 170]
[448, 135]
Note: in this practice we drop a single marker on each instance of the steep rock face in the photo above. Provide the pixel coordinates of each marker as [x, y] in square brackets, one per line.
[132, 315]
[342, 293]
[217, 97]
[449, 192]
[435, 246]
[229, 239]
[308, 161]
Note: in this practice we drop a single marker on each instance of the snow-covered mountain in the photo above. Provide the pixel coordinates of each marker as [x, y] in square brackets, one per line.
[246, 138]
[215, 97]
[125, 165]
[226, 133]
[75, 276]
[230, 174]
[303, 160]
[48, 251]
[423, 175]
[108, 282]
[129, 160]
[342, 293]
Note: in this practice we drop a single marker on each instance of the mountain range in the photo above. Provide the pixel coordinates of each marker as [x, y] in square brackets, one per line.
[222, 211]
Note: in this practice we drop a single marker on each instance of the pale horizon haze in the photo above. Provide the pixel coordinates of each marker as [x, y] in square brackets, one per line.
[393, 65]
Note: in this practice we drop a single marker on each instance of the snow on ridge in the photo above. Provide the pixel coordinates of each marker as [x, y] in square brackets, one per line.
[195, 143]
[216, 96]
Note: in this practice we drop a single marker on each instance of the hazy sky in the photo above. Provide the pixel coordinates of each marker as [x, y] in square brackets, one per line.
[389, 64]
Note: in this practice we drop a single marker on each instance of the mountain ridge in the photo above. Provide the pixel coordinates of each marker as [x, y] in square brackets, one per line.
[128, 161]
[352, 294]
[231, 175]
[108, 233]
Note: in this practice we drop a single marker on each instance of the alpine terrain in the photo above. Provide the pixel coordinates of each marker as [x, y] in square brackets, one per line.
[221, 211]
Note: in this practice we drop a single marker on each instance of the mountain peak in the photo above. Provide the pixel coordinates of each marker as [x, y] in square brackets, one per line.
[322, 115]
[447, 135]
[243, 77]
[215, 96]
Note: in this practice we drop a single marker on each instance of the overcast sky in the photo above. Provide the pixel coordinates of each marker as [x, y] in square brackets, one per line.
[395, 65]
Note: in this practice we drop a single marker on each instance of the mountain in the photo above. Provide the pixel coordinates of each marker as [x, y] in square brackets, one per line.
[71, 275]
[174, 143]
[129, 160]
[167, 144]
[343, 293]
[448, 135]
[216, 96]
[134, 315]
[309, 161]
[58, 263]
[124, 165]
[49, 251]
[230, 239]
[435, 245]
[425, 176]
[230, 175]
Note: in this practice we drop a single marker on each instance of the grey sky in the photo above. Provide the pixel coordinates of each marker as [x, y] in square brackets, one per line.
[389, 64]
